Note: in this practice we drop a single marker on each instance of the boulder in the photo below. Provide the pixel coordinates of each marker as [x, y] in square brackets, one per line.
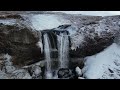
[65, 73]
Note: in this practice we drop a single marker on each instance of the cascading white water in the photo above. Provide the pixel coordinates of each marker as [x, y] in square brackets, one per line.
[47, 56]
[63, 50]
[63, 54]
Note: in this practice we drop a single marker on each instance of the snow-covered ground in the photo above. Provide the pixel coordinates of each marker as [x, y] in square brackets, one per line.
[8, 21]
[104, 65]
[46, 21]
[93, 13]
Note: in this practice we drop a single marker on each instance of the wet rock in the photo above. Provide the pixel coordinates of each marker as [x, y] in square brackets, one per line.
[65, 73]
[74, 62]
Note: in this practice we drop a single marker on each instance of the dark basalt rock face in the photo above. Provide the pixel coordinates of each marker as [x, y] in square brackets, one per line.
[74, 62]
[92, 46]
[19, 43]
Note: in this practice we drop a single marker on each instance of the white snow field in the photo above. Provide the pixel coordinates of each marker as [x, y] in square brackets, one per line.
[104, 65]
[46, 21]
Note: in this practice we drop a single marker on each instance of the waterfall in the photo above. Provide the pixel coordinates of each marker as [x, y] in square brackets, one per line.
[47, 56]
[63, 54]
[63, 50]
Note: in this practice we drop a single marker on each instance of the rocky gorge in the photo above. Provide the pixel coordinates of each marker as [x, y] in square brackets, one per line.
[34, 45]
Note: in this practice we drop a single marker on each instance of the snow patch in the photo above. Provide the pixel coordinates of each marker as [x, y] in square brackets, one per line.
[78, 71]
[72, 30]
[8, 22]
[104, 65]
[7, 60]
[81, 78]
[46, 21]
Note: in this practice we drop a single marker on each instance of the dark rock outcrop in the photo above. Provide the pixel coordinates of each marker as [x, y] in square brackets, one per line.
[65, 73]
[20, 43]
[92, 46]
[94, 37]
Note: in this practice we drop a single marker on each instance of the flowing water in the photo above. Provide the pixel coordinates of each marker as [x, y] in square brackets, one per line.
[47, 48]
[63, 50]
[63, 53]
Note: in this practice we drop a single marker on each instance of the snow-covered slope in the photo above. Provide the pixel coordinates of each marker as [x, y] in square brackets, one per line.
[46, 21]
[104, 65]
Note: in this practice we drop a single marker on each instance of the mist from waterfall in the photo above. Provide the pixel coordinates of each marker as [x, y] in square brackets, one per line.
[63, 50]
